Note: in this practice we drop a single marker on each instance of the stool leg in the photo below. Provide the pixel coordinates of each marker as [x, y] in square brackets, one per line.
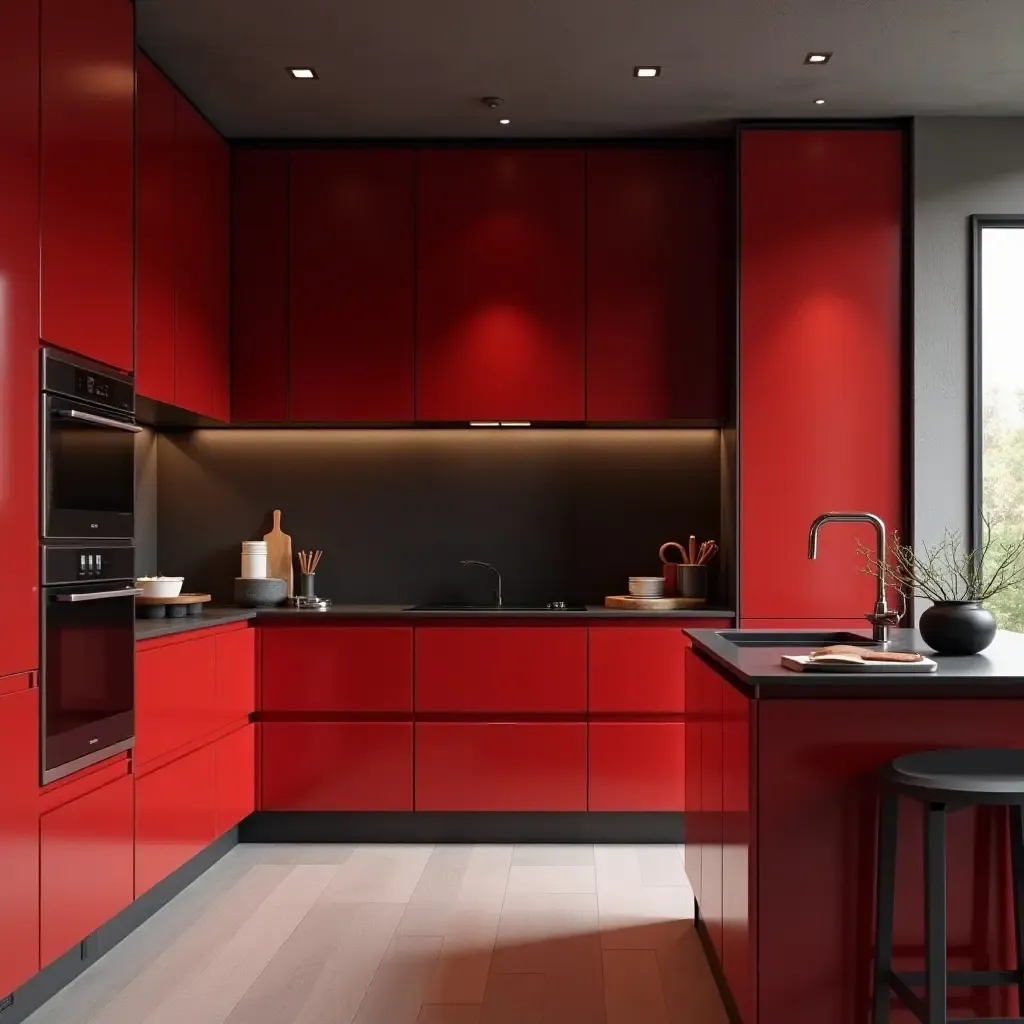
[935, 913]
[885, 902]
[1017, 863]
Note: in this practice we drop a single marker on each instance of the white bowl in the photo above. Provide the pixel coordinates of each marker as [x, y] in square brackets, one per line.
[160, 586]
[646, 586]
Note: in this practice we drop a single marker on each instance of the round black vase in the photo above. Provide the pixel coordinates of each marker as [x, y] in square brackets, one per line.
[957, 627]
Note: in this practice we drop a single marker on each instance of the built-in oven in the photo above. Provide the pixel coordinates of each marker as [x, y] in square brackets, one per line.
[88, 450]
[88, 655]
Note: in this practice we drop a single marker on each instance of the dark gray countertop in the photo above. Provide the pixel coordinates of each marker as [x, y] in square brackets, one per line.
[756, 671]
[148, 629]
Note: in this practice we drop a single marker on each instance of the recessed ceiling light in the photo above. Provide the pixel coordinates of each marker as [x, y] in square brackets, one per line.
[819, 103]
[301, 72]
[648, 71]
[504, 120]
[818, 58]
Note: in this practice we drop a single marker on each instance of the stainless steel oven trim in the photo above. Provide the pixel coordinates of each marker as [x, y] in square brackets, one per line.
[53, 774]
[102, 595]
[103, 421]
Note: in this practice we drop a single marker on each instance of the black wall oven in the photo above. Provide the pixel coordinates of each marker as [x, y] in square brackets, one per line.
[88, 435]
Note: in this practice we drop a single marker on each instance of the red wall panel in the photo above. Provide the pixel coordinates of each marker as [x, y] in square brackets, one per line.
[821, 362]
[637, 766]
[500, 287]
[235, 778]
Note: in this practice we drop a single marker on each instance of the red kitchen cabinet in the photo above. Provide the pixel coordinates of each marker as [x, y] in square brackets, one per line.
[235, 778]
[259, 285]
[821, 362]
[155, 232]
[501, 669]
[175, 816]
[87, 224]
[202, 362]
[19, 833]
[19, 345]
[711, 829]
[659, 286]
[693, 754]
[342, 669]
[86, 866]
[235, 674]
[352, 285]
[500, 284]
[637, 766]
[336, 766]
[501, 766]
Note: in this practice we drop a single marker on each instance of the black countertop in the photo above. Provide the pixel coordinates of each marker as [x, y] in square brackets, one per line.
[149, 629]
[756, 671]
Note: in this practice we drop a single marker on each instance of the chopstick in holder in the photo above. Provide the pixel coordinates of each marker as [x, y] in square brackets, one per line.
[316, 560]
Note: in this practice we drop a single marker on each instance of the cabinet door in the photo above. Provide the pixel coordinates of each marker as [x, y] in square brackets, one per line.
[637, 668]
[87, 228]
[693, 764]
[500, 289]
[342, 670]
[502, 668]
[174, 816]
[19, 343]
[86, 866]
[658, 286]
[637, 766]
[19, 836]
[352, 290]
[259, 285]
[154, 233]
[235, 775]
[821, 378]
[236, 675]
[711, 770]
[336, 766]
[501, 766]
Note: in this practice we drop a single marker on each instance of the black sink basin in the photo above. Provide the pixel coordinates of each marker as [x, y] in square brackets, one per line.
[793, 638]
[494, 608]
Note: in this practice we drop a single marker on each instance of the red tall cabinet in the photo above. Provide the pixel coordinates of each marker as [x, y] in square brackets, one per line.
[821, 363]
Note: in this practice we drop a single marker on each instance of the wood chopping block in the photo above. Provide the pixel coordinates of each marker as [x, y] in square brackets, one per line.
[279, 554]
[654, 604]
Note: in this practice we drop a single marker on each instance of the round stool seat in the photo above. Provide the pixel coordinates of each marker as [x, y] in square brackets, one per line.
[977, 776]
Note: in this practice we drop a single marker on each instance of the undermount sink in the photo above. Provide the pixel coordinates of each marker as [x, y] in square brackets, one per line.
[793, 638]
[494, 608]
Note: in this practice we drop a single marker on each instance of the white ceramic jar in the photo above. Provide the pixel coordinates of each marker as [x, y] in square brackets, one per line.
[254, 559]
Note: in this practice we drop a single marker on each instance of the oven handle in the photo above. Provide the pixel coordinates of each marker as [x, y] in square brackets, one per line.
[99, 595]
[103, 421]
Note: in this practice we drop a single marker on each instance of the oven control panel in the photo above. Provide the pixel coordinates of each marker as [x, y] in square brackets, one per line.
[72, 564]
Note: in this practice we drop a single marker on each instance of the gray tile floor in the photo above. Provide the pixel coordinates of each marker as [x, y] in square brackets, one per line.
[412, 935]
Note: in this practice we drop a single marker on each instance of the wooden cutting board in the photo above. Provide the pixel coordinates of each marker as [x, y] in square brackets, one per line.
[279, 554]
[802, 663]
[654, 604]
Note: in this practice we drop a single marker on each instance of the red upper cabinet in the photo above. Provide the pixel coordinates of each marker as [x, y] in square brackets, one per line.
[87, 171]
[202, 370]
[658, 283]
[155, 227]
[821, 378]
[500, 284]
[352, 290]
[19, 341]
[259, 285]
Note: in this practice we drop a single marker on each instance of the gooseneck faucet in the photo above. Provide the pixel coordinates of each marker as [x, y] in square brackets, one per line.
[883, 616]
[485, 565]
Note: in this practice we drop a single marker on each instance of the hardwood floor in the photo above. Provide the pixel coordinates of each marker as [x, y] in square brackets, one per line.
[412, 935]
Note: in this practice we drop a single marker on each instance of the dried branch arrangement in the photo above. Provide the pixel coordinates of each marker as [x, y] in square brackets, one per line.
[949, 571]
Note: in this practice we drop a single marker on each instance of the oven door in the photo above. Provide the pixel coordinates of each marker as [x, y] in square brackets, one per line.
[88, 472]
[88, 675]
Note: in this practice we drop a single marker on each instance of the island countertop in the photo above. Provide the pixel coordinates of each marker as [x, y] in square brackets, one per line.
[758, 673]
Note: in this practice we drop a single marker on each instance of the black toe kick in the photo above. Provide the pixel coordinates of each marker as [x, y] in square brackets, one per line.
[462, 827]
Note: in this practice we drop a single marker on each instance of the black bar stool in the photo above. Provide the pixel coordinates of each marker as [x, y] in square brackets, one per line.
[944, 781]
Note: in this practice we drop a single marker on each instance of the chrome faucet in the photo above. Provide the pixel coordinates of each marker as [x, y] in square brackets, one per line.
[485, 565]
[883, 616]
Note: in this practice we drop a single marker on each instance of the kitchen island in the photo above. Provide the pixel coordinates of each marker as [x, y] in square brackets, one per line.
[781, 772]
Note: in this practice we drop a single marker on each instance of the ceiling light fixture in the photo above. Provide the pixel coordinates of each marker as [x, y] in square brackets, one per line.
[818, 58]
[301, 72]
[819, 103]
[648, 71]
[504, 120]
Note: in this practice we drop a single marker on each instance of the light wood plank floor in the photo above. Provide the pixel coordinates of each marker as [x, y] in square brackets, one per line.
[412, 935]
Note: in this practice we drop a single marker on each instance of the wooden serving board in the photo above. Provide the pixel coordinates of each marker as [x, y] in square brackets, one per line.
[654, 604]
[279, 554]
[180, 599]
[803, 663]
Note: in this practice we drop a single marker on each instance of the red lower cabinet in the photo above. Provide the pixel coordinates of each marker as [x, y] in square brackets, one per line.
[86, 866]
[19, 838]
[637, 766]
[235, 778]
[501, 766]
[336, 766]
[175, 816]
[235, 675]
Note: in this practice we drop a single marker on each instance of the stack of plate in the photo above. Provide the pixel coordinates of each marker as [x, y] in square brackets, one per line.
[646, 586]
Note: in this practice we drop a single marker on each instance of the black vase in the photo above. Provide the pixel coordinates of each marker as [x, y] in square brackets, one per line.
[957, 627]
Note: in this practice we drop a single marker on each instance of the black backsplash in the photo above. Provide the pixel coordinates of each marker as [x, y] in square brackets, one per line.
[565, 514]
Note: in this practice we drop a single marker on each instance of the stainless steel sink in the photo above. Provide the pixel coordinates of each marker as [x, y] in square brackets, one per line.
[793, 638]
